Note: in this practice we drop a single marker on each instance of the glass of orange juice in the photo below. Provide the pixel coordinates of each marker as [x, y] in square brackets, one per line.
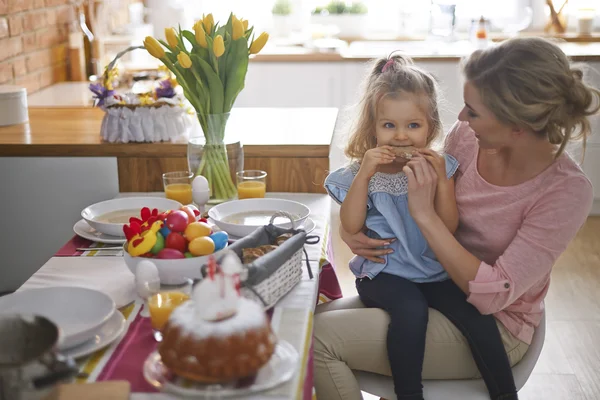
[162, 303]
[178, 186]
[251, 184]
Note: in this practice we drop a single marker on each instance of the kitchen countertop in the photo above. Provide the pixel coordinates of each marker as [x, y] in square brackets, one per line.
[75, 131]
[361, 51]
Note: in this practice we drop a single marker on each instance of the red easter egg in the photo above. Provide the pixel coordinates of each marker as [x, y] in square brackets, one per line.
[176, 241]
[177, 221]
[169, 254]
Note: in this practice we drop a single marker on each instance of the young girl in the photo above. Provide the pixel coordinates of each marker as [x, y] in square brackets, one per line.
[398, 121]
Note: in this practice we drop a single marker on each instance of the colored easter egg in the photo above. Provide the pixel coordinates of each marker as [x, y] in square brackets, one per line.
[176, 241]
[220, 239]
[169, 254]
[187, 254]
[164, 231]
[160, 243]
[177, 221]
[202, 246]
[197, 229]
[190, 213]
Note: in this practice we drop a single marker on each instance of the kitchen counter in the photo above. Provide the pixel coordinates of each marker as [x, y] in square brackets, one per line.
[291, 144]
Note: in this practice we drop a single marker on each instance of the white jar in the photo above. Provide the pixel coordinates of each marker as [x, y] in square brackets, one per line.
[13, 105]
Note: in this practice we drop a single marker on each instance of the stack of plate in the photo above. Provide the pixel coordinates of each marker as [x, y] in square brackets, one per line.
[87, 319]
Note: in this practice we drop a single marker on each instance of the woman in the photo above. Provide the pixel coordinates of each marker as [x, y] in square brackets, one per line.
[521, 200]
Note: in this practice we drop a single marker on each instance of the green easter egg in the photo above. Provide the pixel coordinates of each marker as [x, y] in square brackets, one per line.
[159, 245]
[187, 254]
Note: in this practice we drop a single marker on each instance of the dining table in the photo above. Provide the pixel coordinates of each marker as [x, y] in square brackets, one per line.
[83, 263]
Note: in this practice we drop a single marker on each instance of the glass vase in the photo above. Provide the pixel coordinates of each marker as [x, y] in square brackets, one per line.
[217, 155]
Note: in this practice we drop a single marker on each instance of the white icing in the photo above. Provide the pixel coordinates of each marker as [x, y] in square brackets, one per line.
[250, 315]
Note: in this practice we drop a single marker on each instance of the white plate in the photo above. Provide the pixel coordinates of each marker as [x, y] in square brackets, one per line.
[84, 230]
[78, 312]
[91, 213]
[264, 208]
[108, 333]
[309, 226]
[280, 368]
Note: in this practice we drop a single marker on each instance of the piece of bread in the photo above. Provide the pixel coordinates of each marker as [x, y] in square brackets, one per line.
[251, 254]
[405, 152]
[282, 238]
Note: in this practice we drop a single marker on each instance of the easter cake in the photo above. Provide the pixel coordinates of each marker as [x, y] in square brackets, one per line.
[218, 336]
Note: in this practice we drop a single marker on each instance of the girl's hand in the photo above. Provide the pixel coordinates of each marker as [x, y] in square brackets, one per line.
[375, 157]
[422, 181]
[437, 161]
[362, 245]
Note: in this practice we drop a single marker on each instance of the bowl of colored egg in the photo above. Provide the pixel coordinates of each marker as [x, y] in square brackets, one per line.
[178, 241]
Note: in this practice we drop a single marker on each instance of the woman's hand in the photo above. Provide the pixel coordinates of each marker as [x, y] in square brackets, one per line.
[364, 246]
[437, 161]
[375, 157]
[422, 181]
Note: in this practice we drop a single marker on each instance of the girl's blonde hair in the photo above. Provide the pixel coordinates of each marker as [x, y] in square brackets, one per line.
[529, 83]
[392, 77]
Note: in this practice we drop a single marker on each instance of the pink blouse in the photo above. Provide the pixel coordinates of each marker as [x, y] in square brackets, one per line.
[517, 232]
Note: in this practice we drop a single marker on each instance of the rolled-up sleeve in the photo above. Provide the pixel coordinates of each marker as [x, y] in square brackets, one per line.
[544, 234]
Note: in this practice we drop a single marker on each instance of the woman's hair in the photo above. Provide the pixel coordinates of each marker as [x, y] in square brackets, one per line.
[529, 83]
[392, 77]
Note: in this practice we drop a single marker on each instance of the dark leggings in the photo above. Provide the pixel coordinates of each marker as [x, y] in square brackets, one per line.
[407, 304]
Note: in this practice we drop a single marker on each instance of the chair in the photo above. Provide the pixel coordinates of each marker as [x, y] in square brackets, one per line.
[460, 389]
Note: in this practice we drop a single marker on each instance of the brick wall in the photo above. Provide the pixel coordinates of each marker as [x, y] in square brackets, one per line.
[33, 42]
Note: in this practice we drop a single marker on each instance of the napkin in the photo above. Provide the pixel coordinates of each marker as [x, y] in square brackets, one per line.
[113, 390]
[109, 275]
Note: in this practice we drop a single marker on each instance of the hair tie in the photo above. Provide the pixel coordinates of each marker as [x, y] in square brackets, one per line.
[387, 65]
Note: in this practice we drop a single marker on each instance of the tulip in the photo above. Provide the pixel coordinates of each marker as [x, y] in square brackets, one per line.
[171, 36]
[184, 60]
[201, 35]
[208, 23]
[237, 28]
[259, 43]
[218, 46]
[245, 24]
[153, 47]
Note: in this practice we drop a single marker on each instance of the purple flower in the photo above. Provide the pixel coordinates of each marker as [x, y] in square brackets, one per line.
[165, 89]
[100, 93]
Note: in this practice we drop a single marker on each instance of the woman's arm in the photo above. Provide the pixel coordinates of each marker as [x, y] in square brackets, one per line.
[445, 204]
[445, 200]
[544, 234]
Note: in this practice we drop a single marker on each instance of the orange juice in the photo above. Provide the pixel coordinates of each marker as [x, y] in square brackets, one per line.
[251, 189]
[181, 192]
[162, 304]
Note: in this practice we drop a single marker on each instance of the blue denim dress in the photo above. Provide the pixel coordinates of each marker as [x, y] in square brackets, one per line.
[388, 217]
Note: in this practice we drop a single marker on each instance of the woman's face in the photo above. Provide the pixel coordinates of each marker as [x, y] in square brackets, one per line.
[490, 133]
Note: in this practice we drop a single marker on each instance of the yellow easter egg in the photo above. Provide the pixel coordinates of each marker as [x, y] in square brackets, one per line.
[201, 246]
[197, 229]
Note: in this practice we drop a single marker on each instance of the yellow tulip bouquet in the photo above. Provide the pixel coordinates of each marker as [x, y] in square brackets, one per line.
[210, 64]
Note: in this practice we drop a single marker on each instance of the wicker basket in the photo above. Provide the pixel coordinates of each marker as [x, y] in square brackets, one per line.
[272, 276]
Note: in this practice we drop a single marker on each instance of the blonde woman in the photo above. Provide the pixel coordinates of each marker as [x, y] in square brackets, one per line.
[520, 198]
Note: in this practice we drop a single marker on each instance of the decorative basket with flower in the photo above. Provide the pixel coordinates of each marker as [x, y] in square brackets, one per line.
[210, 64]
[158, 115]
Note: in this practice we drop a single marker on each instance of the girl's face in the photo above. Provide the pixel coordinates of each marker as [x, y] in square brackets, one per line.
[402, 121]
[490, 133]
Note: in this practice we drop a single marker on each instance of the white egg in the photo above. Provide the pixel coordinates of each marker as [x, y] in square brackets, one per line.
[200, 184]
[147, 281]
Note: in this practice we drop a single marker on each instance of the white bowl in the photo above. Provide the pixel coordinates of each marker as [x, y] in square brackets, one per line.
[92, 213]
[242, 217]
[78, 312]
[171, 272]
